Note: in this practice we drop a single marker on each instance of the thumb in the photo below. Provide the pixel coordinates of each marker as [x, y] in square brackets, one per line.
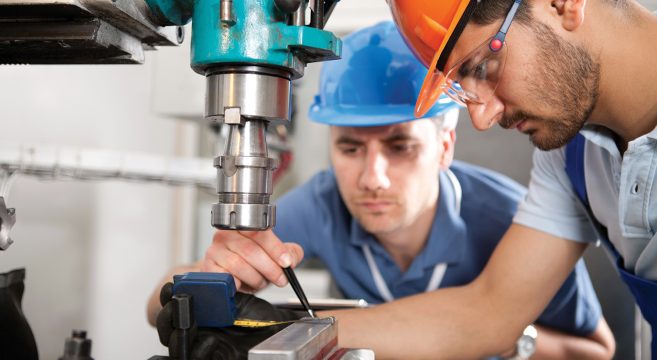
[166, 293]
[296, 252]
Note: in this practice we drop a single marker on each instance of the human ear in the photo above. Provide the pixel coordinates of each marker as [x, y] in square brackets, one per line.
[447, 139]
[571, 13]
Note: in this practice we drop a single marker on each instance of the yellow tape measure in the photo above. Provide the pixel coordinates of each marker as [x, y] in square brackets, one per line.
[258, 323]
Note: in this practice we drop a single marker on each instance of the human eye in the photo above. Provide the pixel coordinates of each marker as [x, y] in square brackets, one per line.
[464, 70]
[401, 148]
[481, 70]
[349, 150]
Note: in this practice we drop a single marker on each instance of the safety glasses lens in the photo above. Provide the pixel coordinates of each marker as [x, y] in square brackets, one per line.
[474, 78]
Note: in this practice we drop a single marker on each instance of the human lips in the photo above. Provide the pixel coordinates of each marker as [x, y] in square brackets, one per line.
[520, 125]
[517, 120]
[375, 205]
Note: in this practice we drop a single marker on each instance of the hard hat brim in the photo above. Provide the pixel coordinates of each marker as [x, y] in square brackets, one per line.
[362, 116]
[435, 79]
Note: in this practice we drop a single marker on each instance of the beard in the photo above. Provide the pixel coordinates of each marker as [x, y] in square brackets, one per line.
[570, 81]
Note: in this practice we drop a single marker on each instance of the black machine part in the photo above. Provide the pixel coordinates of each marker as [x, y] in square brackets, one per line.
[16, 340]
[77, 347]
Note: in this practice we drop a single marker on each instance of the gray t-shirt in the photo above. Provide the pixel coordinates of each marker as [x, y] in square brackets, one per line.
[622, 192]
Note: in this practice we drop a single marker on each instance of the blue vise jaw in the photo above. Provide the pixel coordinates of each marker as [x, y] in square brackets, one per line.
[213, 297]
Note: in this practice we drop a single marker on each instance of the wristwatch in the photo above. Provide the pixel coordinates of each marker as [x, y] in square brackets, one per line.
[526, 344]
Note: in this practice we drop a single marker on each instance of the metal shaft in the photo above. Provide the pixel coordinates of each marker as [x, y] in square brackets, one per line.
[246, 98]
[244, 180]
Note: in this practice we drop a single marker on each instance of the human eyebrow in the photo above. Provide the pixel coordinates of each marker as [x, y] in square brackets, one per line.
[398, 137]
[345, 140]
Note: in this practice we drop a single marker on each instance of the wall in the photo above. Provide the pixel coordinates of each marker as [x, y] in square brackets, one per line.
[93, 251]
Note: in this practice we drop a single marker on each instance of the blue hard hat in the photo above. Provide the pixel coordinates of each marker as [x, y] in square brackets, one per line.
[375, 83]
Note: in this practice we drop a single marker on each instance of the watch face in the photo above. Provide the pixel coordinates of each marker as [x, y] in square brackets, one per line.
[526, 346]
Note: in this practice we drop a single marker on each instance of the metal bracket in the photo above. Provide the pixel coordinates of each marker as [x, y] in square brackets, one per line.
[7, 221]
[233, 116]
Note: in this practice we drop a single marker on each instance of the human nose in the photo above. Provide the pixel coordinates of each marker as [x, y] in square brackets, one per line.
[373, 177]
[485, 115]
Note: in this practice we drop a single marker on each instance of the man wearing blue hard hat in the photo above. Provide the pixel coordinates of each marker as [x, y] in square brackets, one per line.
[395, 215]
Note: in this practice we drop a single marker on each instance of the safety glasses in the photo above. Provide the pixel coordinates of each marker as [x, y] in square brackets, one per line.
[472, 79]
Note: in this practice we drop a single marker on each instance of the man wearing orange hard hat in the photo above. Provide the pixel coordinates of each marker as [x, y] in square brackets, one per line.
[578, 77]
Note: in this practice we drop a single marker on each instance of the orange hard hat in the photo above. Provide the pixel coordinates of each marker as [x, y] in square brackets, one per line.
[431, 28]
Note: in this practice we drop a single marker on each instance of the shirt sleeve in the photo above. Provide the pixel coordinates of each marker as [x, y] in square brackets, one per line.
[551, 205]
[575, 308]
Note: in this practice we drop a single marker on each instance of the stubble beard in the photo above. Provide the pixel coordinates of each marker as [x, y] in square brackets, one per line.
[570, 82]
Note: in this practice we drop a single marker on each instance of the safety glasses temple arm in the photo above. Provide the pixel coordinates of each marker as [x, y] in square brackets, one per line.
[507, 21]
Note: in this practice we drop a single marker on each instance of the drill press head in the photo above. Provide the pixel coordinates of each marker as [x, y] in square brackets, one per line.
[249, 51]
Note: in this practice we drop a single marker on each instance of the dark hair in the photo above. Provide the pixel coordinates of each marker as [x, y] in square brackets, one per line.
[490, 11]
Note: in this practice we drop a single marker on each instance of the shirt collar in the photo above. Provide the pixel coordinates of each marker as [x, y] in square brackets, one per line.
[652, 134]
[601, 136]
[446, 241]
[604, 138]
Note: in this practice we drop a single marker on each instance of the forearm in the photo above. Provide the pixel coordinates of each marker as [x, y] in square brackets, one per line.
[453, 323]
[480, 319]
[153, 306]
[551, 344]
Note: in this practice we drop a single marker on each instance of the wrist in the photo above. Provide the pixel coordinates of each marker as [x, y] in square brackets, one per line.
[526, 344]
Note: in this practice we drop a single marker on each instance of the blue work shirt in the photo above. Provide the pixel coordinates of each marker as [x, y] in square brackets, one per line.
[315, 217]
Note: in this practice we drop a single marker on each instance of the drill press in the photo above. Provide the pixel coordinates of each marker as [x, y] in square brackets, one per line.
[249, 51]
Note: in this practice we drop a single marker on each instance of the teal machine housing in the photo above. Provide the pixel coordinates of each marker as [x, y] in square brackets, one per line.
[249, 51]
[248, 32]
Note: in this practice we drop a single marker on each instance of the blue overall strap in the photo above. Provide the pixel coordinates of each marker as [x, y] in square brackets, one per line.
[575, 167]
[644, 291]
[575, 172]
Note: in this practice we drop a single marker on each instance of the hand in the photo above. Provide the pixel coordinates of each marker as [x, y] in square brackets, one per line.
[254, 258]
[222, 343]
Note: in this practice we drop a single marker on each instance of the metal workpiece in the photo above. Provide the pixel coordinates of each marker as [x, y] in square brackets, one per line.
[7, 221]
[307, 339]
[259, 92]
[79, 32]
[244, 180]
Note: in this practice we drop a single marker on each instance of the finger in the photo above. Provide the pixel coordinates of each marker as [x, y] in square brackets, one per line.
[221, 253]
[166, 293]
[164, 324]
[256, 256]
[243, 272]
[211, 266]
[273, 246]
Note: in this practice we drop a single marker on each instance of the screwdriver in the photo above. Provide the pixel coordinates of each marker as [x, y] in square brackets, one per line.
[292, 279]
